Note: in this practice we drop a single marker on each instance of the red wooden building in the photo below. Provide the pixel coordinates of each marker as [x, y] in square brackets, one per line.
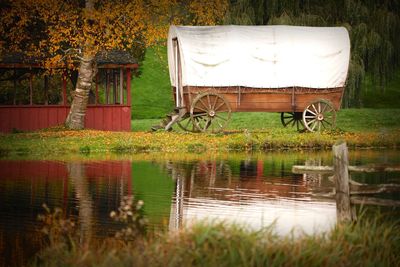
[33, 98]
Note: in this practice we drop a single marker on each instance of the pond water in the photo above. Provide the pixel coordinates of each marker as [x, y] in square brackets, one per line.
[251, 189]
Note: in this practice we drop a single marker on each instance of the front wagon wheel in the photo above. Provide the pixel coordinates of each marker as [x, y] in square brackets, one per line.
[319, 115]
[186, 124]
[210, 112]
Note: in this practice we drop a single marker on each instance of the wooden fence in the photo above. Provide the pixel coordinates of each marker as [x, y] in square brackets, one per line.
[347, 191]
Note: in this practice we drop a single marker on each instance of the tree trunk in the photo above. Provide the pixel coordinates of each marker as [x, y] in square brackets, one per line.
[77, 113]
[76, 116]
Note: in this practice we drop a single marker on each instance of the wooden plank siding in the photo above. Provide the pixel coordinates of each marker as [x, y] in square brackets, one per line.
[32, 118]
[267, 100]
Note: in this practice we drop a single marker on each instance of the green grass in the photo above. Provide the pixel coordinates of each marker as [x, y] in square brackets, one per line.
[349, 120]
[151, 91]
[369, 242]
[375, 97]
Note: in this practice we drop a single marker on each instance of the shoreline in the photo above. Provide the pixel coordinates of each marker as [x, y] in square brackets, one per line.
[61, 141]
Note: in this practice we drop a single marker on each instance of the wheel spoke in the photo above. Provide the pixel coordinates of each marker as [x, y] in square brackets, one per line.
[315, 109]
[220, 105]
[208, 100]
[206, 124]
[294, 121]
[197, 107]
[204, 105]
[187, 123]
[288, 122]
[313, 127]
[324, 108]
[310, 117]
[220, 125]
[219, 116]
[288, 117]
[215, 102]
[199, 115]
[309, 110]
[310, 122]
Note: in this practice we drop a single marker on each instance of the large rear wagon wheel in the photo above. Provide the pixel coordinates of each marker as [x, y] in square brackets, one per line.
[319, 115]
[293, 119]
[210, 112]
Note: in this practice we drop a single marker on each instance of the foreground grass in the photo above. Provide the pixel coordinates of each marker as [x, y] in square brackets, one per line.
[369, 242]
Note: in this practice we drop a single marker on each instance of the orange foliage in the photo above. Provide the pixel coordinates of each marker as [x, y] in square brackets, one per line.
[58, 30]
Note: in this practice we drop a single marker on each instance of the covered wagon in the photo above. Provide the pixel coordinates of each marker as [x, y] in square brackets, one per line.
[216, 70]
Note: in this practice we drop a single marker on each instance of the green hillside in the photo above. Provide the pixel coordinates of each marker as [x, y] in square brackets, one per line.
[375, 97]
[151, 91]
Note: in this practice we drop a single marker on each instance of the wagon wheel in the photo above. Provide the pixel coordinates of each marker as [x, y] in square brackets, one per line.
[210, 112]
[292, 119]
[319, 115]
[186, 124]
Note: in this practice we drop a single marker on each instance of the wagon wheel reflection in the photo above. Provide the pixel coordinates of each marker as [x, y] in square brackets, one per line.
[210, 112]
[292, 119]
[319, 115]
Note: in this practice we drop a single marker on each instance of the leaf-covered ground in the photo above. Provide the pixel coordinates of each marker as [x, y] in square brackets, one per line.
[59, 140]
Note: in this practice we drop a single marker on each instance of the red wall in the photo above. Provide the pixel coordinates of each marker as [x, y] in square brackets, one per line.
[31, 118]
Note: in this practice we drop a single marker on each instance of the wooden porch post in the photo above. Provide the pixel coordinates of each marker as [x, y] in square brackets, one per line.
[15, 87]
[64, 88]
[30, 88]
[121, 86]
[46, 89]
[115, 84]
[97, 88]
[107, 87]
[128, 86]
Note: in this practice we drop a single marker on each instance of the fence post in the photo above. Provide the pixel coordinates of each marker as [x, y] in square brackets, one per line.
[341, 172]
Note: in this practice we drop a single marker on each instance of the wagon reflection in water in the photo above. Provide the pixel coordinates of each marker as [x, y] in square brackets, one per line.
[252, 193]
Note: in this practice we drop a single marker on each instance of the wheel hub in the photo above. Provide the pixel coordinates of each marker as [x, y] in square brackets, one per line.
[211, 113]
[320, 117]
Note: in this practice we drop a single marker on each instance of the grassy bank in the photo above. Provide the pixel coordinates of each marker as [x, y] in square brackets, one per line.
[369, 242]
[87, 141]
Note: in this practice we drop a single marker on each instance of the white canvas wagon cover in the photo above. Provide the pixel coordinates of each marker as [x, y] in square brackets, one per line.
[260, 56]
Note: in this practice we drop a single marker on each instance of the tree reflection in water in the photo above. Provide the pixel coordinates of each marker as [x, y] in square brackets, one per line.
[76, 173]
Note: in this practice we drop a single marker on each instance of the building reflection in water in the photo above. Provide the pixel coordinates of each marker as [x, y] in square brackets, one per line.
[175, 193]
[85, 190]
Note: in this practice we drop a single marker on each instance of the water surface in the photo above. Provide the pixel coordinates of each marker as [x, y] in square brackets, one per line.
[251, 189]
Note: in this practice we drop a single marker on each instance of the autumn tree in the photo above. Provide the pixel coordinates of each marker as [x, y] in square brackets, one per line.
[71, 31]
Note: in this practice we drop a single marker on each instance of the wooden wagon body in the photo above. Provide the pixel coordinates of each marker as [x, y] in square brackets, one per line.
[207, 90]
